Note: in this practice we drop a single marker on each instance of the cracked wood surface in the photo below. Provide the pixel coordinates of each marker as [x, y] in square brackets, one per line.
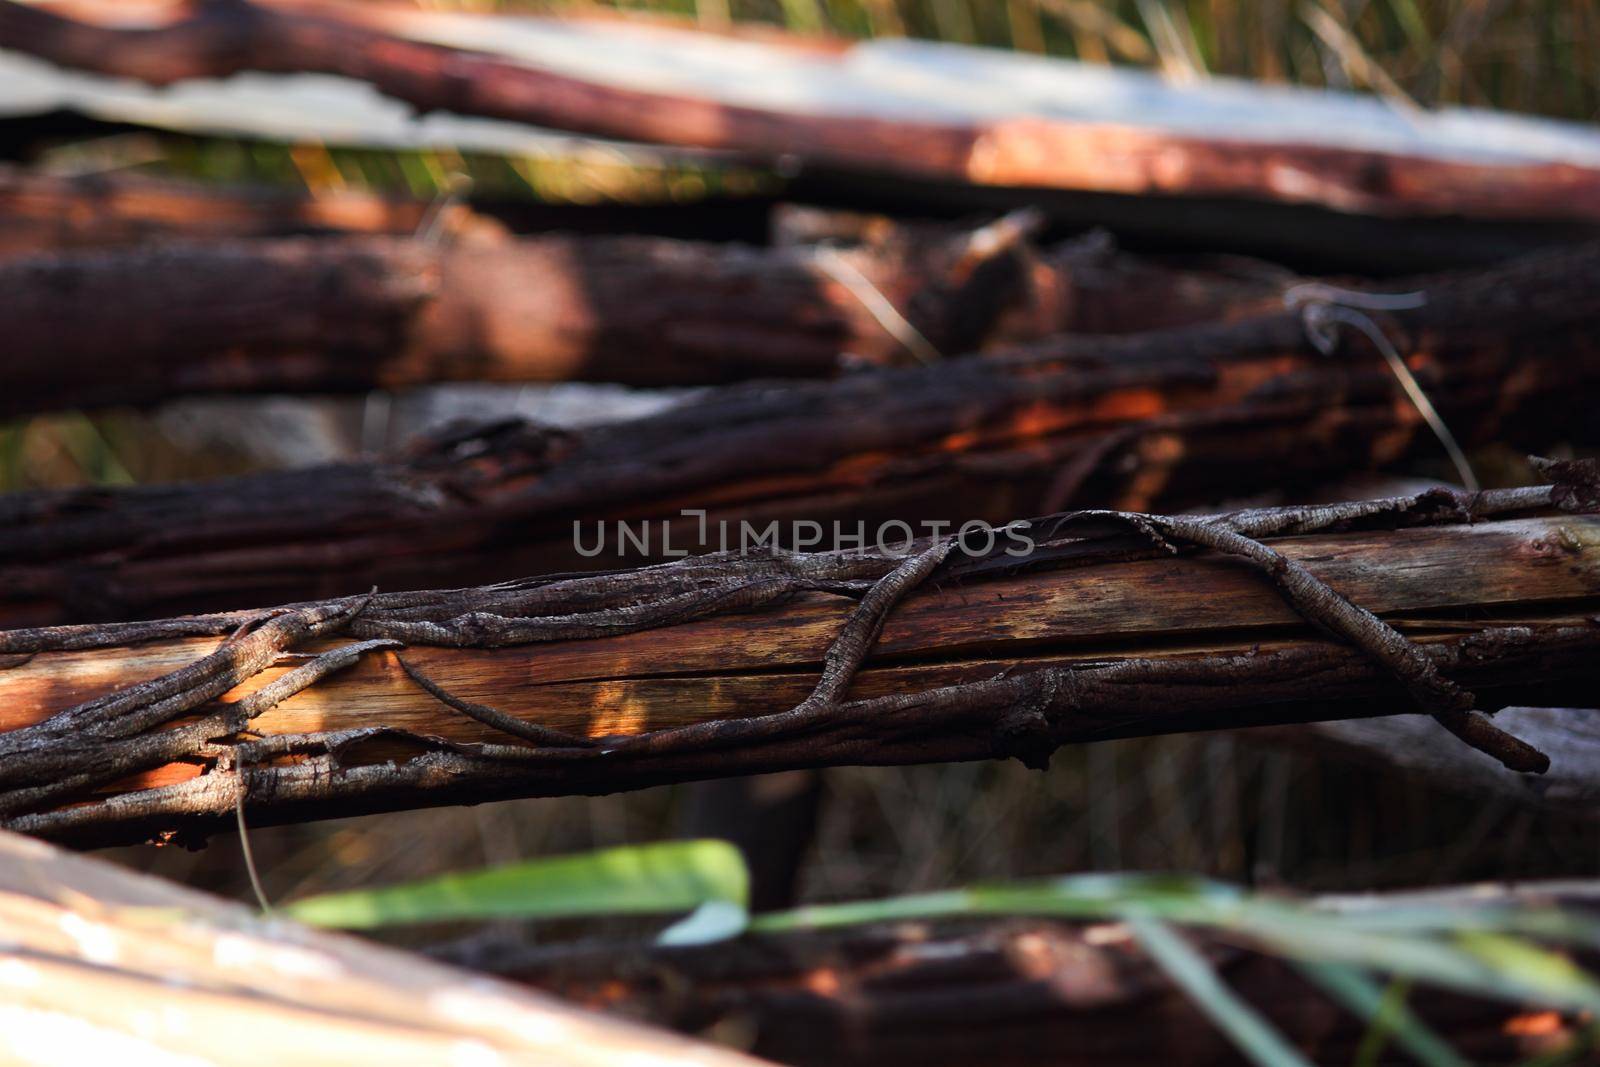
[100, 963]
[1167, 417]
[640, 677]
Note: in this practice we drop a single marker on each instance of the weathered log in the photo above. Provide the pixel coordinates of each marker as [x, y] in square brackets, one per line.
[1006, 992]
[1161, 418]
[100, 964]
[44, 212]
[1084, 637]
[856, 114]
[138, 325]
[1408, 745]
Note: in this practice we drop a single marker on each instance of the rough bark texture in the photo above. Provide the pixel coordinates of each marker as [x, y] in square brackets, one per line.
[1019, 150]
[100, 964]
[1160, 418]
[138, 325]
[1011, 992]
[706, 667]
[1409, 745]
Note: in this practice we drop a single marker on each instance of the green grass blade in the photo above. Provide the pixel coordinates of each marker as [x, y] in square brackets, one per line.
[1254, 1036]
[663, 878]
[1465, 949]
[1387, 1013]
[1082, 896]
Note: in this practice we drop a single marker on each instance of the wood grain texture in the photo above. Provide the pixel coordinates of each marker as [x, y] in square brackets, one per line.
[1506, 608]
[638, 681]
[97, 961]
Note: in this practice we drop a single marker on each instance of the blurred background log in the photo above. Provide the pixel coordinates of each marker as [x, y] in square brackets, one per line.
[1161, 419]
[1318, 179]
[49, 212]
[1410, 745]
[140, 325]
[1023, 992]
[97, 961]
[1336, 151]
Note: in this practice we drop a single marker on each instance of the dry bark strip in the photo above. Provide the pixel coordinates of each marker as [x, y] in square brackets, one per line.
[705, 667]
[1007, 992]
[1157, 419]
[389, 48]
[99, 963]
[143, 324]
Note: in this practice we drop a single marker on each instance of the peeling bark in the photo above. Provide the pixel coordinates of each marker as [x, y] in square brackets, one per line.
[705, 668]
[1164, 418]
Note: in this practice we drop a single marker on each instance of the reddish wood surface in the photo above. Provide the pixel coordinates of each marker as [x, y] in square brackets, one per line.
[1158, 419]
[143, 324]
[44, 212]
[370, 44]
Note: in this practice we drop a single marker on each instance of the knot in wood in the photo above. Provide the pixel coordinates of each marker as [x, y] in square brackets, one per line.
[1025, 732]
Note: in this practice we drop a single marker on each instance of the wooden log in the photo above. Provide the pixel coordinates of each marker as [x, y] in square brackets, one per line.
[1408, 745]
[44, 212]
[1007, 992]
[140, 325]
[1163, 418]
[651, 83]
[1085, 637]
[98, 962]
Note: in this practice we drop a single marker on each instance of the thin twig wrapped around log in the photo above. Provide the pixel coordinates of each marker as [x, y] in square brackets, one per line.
[1509, 354]
[702, 668]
